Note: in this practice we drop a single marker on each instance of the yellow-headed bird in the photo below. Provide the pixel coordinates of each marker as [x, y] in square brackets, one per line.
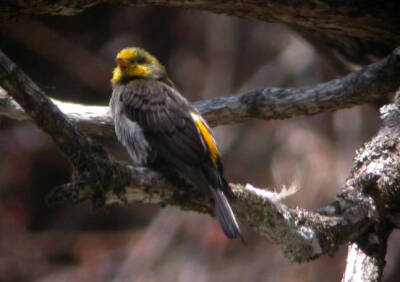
[157, 125]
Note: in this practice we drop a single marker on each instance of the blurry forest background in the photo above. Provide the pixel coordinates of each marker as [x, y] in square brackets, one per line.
[206, 55]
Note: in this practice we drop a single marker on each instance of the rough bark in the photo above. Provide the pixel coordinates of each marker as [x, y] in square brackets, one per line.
[366, 257]
[354, 29]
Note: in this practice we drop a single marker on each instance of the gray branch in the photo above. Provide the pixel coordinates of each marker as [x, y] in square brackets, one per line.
[370, 84]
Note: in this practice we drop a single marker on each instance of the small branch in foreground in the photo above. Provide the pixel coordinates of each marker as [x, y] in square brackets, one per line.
[369, 84]
[304, 235]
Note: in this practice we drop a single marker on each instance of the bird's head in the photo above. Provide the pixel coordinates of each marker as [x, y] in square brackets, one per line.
[135, 63]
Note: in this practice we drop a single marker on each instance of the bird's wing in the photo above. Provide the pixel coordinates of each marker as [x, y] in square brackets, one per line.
[171, 125]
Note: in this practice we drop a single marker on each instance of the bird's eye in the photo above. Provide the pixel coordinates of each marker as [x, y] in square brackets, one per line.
[141, 60]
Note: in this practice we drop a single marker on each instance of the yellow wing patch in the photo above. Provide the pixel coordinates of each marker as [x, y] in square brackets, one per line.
[207, 137]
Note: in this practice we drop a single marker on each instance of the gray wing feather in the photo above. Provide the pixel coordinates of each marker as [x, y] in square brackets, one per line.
[129, 132]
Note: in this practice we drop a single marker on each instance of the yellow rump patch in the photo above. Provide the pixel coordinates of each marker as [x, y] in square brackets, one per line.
[207, 137]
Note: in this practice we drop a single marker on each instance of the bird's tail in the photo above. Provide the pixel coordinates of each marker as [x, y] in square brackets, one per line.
[225, 215]
[211, 183]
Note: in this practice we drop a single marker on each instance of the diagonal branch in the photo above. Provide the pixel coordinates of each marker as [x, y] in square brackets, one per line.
[88, 157]
[370, 84]
[36, 104]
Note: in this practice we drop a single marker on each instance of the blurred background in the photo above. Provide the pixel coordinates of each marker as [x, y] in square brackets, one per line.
[206, 55]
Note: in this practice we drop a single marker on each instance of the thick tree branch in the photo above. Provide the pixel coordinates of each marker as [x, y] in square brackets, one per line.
[327, 15]
[369, 84]
[353, 28]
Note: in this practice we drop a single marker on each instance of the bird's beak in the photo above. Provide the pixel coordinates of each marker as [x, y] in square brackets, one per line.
[123, 63]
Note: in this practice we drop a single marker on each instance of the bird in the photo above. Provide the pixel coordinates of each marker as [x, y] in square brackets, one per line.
[157, 125]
